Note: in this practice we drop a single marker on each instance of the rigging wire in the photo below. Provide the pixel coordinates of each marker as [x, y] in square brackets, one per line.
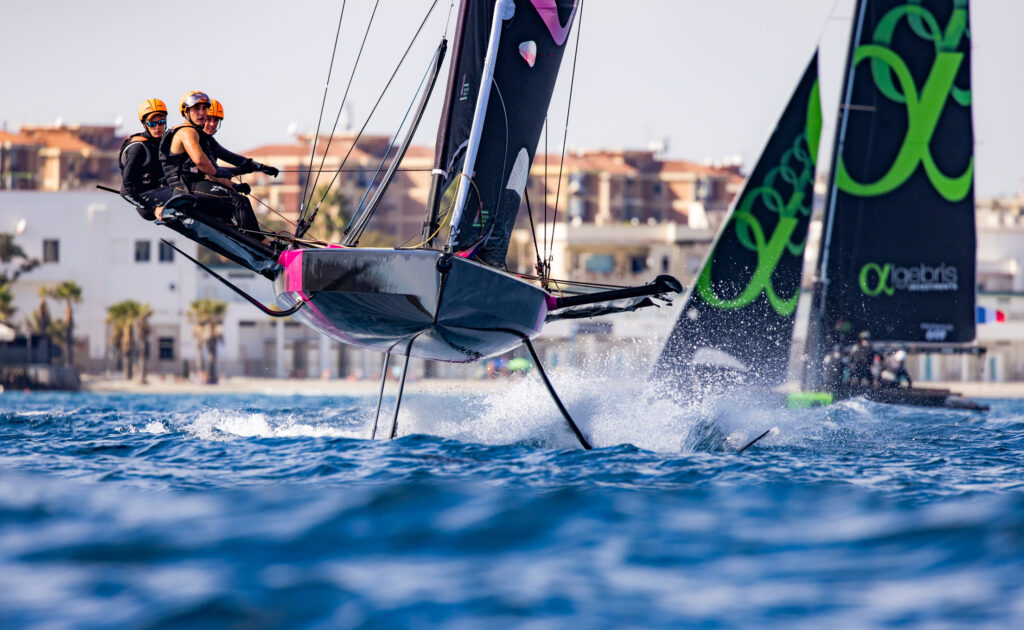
[341, 107]
[372, 110]
[323, 102]
[394, 138]
[565, 135]
[533, 231]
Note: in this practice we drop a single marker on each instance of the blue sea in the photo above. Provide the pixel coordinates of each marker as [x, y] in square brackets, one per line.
[275, 510]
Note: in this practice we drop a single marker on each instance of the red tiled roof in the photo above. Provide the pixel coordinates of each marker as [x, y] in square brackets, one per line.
[17, 138]
[60, 139]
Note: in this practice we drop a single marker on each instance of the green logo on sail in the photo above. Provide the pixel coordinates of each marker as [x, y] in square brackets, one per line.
[874, 279]
[924, 106]
[885, 279]
[797, 171]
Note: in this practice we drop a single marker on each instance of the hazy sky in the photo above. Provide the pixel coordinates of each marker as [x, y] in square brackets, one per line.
[709, 76]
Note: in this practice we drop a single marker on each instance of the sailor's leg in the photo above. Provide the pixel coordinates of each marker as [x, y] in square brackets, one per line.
[214, 200]
[380, 396]
[554, 396]
[244, 216]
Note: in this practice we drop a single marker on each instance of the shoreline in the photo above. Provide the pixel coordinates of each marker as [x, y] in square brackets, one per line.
[256, 385]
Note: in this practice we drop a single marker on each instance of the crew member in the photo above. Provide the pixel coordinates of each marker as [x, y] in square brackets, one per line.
[894, 370]
[241, 164]
[185, 155]
[141, 173]
[862, 356]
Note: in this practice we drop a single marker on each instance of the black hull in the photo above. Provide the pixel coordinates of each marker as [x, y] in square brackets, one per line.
[914, 397]
[449, 308]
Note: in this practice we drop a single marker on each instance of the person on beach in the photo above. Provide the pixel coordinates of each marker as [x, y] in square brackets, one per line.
[141, 172]
[188, 168]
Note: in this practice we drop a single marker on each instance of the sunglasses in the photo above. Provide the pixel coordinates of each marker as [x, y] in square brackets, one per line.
[156, 123]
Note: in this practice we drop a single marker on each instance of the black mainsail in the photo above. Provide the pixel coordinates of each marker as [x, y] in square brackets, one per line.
[738, 318]
[486, 155]
[898, 247]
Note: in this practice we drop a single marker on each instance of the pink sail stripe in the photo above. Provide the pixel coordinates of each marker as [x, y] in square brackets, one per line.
[549, 15]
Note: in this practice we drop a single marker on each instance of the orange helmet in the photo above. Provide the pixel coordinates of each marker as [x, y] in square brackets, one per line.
[216, 109]
[191, 99]
[151, 106]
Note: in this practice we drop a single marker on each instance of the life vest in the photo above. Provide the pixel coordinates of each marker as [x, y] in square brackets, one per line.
[179, 169]
[152, 173]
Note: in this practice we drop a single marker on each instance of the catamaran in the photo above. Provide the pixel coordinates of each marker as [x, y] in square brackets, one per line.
[897, 253]
[447, 298]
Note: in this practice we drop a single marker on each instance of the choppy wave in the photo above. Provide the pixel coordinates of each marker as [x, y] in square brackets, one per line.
[266, 511]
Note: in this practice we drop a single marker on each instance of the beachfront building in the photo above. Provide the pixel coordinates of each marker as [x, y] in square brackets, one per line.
[96, 240]
[399, 216]
[59, 157]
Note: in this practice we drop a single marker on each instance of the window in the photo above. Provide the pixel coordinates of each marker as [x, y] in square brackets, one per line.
[656, 189]
[165, 348]
[637, 264]
[166, 252]
[141, 251]
[51, 250]
[599, 263]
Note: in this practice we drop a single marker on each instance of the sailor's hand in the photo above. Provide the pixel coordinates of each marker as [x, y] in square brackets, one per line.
[269, 170]
[159, 213]
[246, 167]
[222, 173]
[243, 188]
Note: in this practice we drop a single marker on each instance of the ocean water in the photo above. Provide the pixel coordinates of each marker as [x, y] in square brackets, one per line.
[276, 510]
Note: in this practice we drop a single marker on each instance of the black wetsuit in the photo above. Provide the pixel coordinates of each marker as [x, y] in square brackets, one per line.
[242, 165]
[218, 201]
[142, 175]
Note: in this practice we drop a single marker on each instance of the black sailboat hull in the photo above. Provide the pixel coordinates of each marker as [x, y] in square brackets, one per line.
[421, 302]
[912, 396]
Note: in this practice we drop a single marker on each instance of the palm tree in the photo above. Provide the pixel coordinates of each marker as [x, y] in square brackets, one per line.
[70, 293]
[334, 212]
[208, 317]
[121, 317]
[142, 330]
[6, 299]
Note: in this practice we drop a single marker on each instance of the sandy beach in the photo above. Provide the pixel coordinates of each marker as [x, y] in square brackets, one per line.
[241, 385]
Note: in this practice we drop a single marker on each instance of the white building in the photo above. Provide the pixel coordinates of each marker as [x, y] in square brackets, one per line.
[97, 240]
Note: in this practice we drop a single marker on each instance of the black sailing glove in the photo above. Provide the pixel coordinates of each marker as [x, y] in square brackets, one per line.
[269, 170]
[245, 189]
[246, 167]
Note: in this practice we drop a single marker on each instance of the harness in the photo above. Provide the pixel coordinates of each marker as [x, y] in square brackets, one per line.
[179, 169]
[151, 174]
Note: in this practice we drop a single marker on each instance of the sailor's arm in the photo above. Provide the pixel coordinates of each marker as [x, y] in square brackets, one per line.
[243, 165]
[190, 142]
[134, 168]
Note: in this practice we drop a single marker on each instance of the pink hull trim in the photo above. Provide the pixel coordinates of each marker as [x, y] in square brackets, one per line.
[291, 260]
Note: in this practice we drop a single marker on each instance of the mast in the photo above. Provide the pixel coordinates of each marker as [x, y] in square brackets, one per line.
[500, 9]
[813, 352]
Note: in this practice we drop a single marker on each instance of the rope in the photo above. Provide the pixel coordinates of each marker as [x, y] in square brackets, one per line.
[341, 107]
[323, 102]
[565, 135]
[375, 105]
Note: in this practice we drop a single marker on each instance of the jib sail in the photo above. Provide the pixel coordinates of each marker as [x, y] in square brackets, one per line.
[501, 142]
[898, 246]
[738, 318]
